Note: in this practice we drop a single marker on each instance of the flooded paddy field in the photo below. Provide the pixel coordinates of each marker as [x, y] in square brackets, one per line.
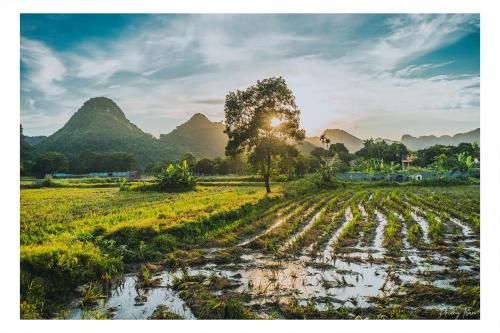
[404, 252]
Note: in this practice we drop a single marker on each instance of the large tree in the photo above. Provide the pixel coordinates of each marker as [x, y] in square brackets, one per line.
[261, 120]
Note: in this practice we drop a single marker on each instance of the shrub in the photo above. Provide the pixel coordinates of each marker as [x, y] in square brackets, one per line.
[164, 242]
[48, 181]
[325, 178]
[176, 177]
[123, 184]
[280, 178]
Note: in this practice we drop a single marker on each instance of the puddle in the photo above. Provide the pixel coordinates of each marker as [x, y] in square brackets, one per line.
[121, 304]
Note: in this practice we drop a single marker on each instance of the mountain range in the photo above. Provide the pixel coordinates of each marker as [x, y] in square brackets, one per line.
[416, 143]
[100, 126]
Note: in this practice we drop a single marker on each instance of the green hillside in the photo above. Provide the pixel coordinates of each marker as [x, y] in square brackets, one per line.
[100, 126]
[199, 136]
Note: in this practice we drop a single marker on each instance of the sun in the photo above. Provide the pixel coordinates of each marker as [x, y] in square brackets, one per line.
[275, 122]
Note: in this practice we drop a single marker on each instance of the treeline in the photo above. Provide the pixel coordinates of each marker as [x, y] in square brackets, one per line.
[38, 164]
[87, 162]
[291, 165]
[204, 166]
[375, 156]
[446, 156]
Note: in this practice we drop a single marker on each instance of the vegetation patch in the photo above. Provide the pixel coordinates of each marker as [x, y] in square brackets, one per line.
[197, 292]
[163, 312]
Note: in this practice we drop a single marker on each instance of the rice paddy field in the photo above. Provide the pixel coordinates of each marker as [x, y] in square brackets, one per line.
[228, 250]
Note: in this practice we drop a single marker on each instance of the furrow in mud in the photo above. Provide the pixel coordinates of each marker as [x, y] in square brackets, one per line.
[333, 221]
[423, 224]
[330, 248]
[379, 231]
[320, 217]
[281, 217]
[295, 237]
[274, 239]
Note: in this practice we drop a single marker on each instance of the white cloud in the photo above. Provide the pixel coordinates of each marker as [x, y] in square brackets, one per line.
[45, 70]
[413, 36]
[419, 69]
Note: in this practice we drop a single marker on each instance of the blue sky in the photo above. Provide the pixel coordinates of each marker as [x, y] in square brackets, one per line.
[372, 75]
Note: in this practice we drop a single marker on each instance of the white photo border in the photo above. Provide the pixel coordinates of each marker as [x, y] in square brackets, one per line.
[10, 11]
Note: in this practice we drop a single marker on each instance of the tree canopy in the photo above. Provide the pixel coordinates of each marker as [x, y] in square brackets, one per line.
[49, 163]
[261, 120]
[383, 151]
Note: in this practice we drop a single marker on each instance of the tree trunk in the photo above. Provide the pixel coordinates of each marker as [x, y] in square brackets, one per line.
[267, 173]
[266, 180]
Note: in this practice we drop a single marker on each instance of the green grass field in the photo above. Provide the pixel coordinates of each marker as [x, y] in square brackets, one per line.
[75, 235]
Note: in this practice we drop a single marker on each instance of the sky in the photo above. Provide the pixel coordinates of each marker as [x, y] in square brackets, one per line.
[372, 75]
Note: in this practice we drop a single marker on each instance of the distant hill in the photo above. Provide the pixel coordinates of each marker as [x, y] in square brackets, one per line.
[388, 141]
[305, 146]
[100, 126]
[352, 143]
[34, 140]
[199, 136]
[426, 141]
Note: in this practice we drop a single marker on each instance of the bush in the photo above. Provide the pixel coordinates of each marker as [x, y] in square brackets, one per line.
[164, 242]
[123, 184]
[176, 177]
[325, 178]
[48, 181]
